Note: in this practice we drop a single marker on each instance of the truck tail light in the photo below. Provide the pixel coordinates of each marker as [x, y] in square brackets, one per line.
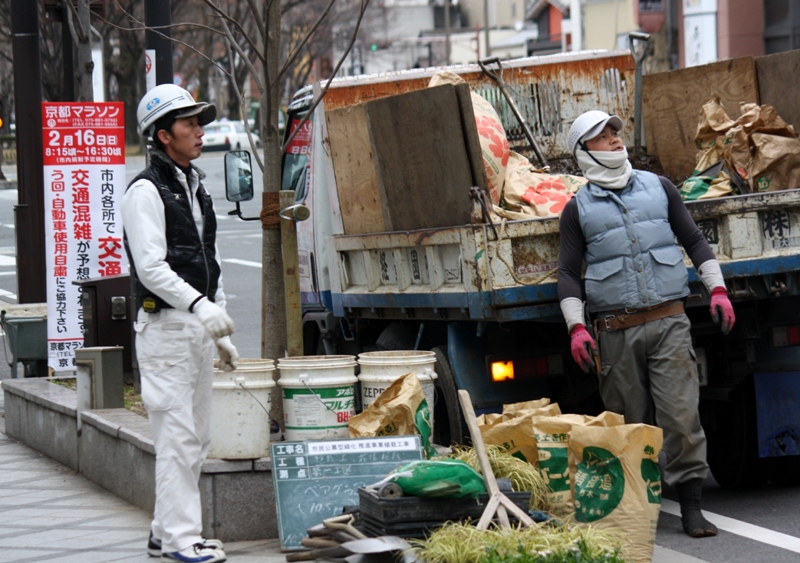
[502, 371]
[517, 368]
[786, 336]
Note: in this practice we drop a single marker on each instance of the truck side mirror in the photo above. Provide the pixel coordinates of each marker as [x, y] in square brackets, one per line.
[239, 181]
[238, 176]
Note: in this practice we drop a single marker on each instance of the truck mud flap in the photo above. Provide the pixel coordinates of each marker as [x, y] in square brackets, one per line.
[778, 413]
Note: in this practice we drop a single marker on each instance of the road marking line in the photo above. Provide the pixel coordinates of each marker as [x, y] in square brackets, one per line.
[7, 273]
[7, 260]
[239, 234]
[242, 262]
[750, 531]
[4, 293]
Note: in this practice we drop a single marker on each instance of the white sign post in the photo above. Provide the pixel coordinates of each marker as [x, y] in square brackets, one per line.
[84, 181]
[149, 69]
[699, 31]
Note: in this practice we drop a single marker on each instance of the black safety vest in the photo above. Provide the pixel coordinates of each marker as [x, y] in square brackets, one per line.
[191, 257]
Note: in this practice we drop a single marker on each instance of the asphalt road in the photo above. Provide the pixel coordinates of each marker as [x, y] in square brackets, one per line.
[755, 526]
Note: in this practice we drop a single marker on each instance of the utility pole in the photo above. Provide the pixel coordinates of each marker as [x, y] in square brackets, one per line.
[158, 39]
[446, 32]
[486, 27]
[29, 211]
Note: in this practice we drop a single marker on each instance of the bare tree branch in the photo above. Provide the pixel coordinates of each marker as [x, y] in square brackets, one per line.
[240, 94]
[310, 112]
[232, 43]
[75, 27]
[165, 36]
[259, 25]
[238, 26]
[290, 59]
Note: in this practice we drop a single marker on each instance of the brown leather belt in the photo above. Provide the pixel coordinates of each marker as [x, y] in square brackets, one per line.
[626, 318]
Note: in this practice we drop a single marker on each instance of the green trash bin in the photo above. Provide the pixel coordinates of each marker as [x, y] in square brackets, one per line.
[25, 326]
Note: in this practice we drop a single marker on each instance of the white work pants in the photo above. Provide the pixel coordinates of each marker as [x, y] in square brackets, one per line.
[176, 358]
[649, 375]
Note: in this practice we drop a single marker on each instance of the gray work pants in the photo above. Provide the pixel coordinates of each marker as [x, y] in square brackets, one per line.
[649, 375]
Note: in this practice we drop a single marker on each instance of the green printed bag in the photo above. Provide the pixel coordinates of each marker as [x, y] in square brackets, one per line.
[552, 436]
[616, 482]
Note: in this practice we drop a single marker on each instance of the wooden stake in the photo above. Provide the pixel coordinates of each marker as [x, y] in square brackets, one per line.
[291, 279]
[498, 502]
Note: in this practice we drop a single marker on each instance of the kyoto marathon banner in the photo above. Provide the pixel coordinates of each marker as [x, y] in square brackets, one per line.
[84, 181]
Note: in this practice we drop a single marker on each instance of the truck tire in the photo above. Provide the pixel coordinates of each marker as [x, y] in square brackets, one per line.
[733, 444]
[448, 426]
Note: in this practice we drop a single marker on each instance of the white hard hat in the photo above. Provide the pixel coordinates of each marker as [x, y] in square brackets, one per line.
[168, 98]
[589, 125]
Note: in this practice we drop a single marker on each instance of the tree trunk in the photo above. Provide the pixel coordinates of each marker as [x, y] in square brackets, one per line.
[273, 313]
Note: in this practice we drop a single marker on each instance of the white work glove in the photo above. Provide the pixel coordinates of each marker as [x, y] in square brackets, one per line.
[228, 356]
[216, 321]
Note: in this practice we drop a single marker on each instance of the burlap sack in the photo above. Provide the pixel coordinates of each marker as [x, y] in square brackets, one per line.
[617, 482]
[710, 138]
[759, 146]
[494, 143]
[514, 431]
[488, 418]
[713, 141]
[523, 406]
[401, 410]
[766, 150]
[552, 436]
[534, 193]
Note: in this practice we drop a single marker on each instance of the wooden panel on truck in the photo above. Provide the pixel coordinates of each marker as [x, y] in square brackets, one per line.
[420, 155]
[551, 91]
[471, 137]
[777, 76]
[356, 179]
[671, 104]
[405, 162]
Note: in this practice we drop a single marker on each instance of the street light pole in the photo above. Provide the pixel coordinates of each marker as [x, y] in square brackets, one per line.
[29, 212]
[158, 37]
[486, 27]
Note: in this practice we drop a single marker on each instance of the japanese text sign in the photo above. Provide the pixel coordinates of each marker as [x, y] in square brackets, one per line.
[84, 181]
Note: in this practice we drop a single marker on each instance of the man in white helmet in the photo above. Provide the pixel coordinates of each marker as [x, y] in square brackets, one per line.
[623, 223]
[170, 236]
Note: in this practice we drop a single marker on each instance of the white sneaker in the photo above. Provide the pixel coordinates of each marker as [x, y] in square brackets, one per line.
[197, 553]
[154, 545]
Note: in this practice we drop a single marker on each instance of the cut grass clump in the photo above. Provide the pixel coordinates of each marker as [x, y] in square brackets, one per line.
[523, 475]
[132, 399]
[540, 543]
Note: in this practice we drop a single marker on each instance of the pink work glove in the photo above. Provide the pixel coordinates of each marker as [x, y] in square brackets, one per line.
[582, 347]
[722, 309]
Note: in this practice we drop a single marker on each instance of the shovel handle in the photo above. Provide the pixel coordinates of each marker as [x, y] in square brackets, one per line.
[483, 63]
[312, 554]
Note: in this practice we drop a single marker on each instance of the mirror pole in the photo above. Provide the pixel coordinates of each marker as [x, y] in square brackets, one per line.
[238, 212]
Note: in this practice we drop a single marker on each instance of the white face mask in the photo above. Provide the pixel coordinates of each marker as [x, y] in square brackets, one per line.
[610, 170]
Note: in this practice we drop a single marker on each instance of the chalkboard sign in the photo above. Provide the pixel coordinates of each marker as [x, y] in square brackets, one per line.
[315, 479]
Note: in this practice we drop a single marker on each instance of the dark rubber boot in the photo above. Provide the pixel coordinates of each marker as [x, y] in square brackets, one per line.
[694, 524]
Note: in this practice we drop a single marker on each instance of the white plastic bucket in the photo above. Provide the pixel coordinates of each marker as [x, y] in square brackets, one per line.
[380, 369]
[240, 404]
[318, 396]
